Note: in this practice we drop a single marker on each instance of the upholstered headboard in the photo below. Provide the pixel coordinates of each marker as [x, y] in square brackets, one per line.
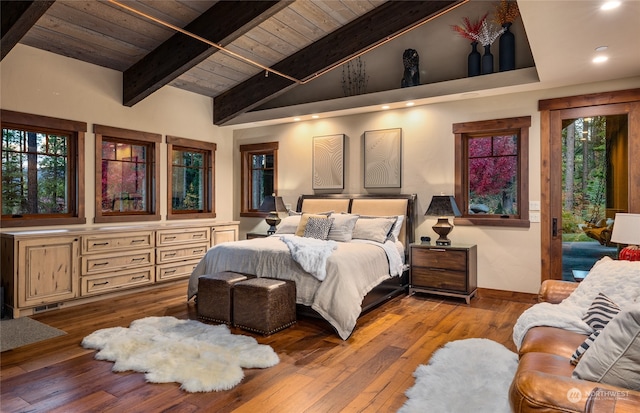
[377, 205]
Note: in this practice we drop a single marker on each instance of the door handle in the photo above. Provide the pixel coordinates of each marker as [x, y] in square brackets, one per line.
[554, 227]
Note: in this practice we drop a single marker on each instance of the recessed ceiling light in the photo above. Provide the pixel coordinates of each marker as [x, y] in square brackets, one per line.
[610, 5]
[296, 119]
[315, 116]
[385, 107]
[410, 104]
[600, 59]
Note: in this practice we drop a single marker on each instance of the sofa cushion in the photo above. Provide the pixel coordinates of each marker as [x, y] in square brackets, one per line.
[551, 340]
[614, 357]
[600, 312]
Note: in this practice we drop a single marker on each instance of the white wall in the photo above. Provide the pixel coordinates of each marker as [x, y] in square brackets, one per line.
[508, 258]
[42, 83]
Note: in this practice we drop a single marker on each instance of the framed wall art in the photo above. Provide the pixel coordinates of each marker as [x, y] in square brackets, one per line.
[328, 162]
[382, 158]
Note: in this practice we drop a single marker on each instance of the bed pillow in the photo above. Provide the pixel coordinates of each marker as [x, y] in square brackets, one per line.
[304, 218]
[318, 228]
[395, 229]
[342, 227]
[288, 225]
[374, 229]
[614, 356]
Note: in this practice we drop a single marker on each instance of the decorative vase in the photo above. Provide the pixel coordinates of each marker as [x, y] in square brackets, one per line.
[473, 62]
[487, 60]
[507, 53]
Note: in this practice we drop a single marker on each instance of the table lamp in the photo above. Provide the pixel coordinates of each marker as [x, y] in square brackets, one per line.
[274, 205]
[626, 230]
[443, 206]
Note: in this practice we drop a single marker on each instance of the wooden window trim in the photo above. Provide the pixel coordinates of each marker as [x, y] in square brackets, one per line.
[246, 151]
[76, 130]
[154, 139]
[209, 185]
[496, 127]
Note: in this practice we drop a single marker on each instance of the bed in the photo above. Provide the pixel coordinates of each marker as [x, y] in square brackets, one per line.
[360, 265]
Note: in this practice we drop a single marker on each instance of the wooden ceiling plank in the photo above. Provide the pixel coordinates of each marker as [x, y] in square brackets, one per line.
[316, 15]
[17, 17]
[337, 10]
[224, 22]
[272, 41]
[369, 29]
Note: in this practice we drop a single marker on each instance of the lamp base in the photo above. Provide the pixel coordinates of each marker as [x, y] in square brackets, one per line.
[630, 253]
[443, 228]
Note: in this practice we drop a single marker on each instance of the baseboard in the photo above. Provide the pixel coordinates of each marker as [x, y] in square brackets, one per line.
[508, 295]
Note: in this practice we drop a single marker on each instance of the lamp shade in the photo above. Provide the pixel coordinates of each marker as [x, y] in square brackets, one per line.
[626, 229]
[443, 206]
[274, 205]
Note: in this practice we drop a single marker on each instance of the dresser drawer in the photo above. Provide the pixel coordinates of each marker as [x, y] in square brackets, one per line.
[438, 279]
[439, 258]
[92, 244]
[125, 260]
[178, 237]
[99, 284]
[175, 271]
[164, 255]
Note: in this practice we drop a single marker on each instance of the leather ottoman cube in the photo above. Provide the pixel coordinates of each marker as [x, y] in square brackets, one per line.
[264, 305]
[215, 296]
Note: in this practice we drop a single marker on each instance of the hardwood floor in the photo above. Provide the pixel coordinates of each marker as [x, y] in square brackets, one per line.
[318, 372]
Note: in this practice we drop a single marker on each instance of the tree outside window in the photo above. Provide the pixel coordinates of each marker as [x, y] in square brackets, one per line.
[492, 172]
[191, 172]
[259, 176]
[40, 170]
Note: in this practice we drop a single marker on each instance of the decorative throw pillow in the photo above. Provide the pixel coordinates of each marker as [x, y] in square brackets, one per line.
[374, 229]
[575, 357]
[342, 228]
[288, 225]
[304, 218]
[395, 229]
[615, 356]
[601, 311]
[318, 228]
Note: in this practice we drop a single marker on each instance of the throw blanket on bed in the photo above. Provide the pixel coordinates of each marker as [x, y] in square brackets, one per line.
[619, 280]
[310, 253]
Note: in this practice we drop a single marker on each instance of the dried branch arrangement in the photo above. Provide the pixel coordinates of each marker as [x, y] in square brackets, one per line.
[506, 12]
[354, 77]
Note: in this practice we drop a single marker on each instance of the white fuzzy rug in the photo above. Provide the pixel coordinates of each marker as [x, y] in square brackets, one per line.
[464, 375]
[201, 357]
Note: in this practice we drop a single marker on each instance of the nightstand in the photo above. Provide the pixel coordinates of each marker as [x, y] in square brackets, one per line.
[444, 270]
[251, 235]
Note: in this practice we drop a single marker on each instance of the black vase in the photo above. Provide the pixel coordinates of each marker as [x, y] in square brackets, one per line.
[507, 53]
[473, 62]
[487, 60]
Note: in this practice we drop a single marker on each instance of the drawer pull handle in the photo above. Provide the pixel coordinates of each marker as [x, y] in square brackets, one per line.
[137, 259]
[170, 254]
[100, 263]
[170, 238]
[198, 251]
[133, 241]
[437, 249]
[197, 236]
[170, 271]
[97, 284]
[437, 269]
[98, 244]
[139, 277]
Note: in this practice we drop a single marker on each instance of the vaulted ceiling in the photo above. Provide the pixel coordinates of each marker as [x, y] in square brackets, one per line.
[245, 53]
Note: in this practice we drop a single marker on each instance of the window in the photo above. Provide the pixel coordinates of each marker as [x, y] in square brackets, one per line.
[492, 163]
[190, 178]
[42, 172]
[127, 175]
[259, 176]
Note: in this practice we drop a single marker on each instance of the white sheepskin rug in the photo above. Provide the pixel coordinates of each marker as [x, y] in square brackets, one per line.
[201, 357]
[464, 375]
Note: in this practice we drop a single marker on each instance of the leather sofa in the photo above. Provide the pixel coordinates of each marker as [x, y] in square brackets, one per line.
[543, 381]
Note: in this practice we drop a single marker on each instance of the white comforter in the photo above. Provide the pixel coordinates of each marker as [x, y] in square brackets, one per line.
[352, 270]
[619, 280]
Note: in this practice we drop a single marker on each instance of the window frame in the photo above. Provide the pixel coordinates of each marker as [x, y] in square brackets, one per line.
[76, 131]
[209, 150]
[498, 127]
[128, 136]
[246, 152]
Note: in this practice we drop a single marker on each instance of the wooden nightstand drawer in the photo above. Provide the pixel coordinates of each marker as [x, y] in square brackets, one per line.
[439, 279]
[439, 258]
[189, 252]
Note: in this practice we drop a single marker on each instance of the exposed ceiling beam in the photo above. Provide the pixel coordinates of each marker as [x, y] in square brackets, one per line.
[17, 17]
[368, 30]
[224, 22]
